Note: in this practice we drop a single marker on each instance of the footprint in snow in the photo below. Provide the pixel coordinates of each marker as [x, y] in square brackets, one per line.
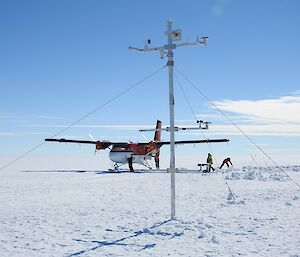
[201, 234]
[147, 246]
[215, 240]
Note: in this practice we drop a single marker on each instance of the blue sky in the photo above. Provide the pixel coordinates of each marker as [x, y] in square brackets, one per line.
[62, 59]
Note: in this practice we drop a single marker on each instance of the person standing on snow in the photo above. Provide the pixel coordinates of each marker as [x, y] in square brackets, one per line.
[209, 162]
[226, 161]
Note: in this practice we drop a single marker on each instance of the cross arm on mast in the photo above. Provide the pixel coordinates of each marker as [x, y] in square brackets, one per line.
[146, 49]
[160, 49]
[202, 41]
[202, 125]
[175, 129]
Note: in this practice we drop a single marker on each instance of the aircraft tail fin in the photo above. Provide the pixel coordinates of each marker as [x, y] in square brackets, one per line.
[157, 134]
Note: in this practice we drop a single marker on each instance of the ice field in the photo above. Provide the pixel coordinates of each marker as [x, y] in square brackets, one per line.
[92, 213]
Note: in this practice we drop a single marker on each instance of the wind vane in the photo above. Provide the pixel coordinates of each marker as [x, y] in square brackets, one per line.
[172, 35]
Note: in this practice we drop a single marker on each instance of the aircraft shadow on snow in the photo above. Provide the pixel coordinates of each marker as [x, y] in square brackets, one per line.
[100, 172]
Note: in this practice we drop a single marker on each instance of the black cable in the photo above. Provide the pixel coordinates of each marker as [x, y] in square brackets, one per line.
[210, 149]
[223, 114]
[191, 108]
[83, 117]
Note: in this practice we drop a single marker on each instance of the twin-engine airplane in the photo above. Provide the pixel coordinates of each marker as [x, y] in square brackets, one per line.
[140, 153]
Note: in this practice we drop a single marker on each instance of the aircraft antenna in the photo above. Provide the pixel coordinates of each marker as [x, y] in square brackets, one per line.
[172, 35]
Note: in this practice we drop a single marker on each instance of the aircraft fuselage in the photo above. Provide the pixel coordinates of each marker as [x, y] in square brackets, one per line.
[139, 154]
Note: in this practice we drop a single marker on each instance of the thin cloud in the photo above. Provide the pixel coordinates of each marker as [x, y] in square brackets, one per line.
[7, 134]
[269, 117]
[259, 129]
[282, 110]
[22, 133]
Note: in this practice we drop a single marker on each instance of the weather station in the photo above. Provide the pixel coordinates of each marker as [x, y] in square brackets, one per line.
[172, 36]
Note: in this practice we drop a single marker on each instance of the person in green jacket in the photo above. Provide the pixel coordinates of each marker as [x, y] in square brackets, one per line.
[210, 162]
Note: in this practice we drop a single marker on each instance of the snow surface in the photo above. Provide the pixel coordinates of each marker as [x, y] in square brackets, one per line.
[72, 213]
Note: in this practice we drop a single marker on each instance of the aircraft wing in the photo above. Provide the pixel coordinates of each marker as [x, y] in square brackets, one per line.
[63, 140]
[194, 142]
[99, 144]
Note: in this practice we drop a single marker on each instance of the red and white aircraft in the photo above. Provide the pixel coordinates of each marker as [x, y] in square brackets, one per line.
[140, 153]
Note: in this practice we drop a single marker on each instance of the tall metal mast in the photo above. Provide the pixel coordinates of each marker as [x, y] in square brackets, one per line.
[173, 35]
[171, 103]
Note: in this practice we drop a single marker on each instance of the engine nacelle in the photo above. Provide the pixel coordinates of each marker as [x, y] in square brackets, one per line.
[102, 145]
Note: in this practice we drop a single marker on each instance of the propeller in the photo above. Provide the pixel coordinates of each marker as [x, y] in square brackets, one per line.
[91, 137]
